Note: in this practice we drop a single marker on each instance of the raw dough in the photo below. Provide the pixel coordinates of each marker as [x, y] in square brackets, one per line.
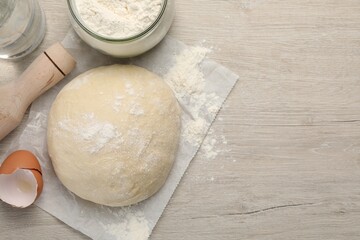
[113, 134]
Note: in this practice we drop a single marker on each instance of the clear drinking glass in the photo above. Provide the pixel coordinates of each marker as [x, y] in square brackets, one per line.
[22, 27]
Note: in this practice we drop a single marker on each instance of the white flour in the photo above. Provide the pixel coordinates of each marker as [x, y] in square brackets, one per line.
[215, 143]
[208, 148]
[118, 18]
[117, 103]
[193, 131]
[133, 226]
[186, 77]
[188, 82]
[93, 132]
[136, 109]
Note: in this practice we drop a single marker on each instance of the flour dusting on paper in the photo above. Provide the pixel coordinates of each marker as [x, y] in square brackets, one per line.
[185, 77]
[187, 80]
[193, 130]
[133, 226]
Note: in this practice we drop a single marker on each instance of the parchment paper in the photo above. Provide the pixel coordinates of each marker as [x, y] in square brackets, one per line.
[101, 222]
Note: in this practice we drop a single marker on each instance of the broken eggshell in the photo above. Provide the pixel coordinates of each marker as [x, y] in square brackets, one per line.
[20, 179]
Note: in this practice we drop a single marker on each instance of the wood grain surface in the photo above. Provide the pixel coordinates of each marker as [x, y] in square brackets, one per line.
[291, 165]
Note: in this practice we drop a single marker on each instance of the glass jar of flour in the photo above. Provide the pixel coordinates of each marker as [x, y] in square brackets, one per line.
[121, 28]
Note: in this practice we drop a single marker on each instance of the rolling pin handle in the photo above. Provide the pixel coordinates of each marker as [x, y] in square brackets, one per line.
[43, 73]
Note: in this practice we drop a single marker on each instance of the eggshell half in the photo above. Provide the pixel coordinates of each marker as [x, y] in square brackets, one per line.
[19, 188]
[23, 159]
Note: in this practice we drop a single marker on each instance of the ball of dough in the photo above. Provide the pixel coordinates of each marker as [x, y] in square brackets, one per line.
[113, 134]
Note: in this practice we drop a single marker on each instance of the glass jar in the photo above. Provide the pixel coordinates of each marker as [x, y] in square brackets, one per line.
[22, 27]
[125, 47]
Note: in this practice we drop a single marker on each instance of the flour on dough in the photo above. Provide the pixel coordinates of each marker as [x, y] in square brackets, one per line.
[113, 134]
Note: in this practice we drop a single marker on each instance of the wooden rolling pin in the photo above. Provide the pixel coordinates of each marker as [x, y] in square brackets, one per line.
[16, 96]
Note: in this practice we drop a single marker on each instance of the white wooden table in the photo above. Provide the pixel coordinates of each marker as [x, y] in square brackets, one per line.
[292, 124]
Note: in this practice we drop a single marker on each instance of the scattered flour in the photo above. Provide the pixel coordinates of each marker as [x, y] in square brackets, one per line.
[188, 83]
[134, 226]
[129, 89]
[95, 134]
[118, 18]
[186, 77]
[213, 145]
[193, 131]
[208, 148]
[117, 103]
[136, 109]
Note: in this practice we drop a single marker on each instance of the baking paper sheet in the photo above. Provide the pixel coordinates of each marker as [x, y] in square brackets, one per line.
[96, 221]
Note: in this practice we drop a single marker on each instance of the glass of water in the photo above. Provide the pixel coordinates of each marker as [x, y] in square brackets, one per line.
[22, 27]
